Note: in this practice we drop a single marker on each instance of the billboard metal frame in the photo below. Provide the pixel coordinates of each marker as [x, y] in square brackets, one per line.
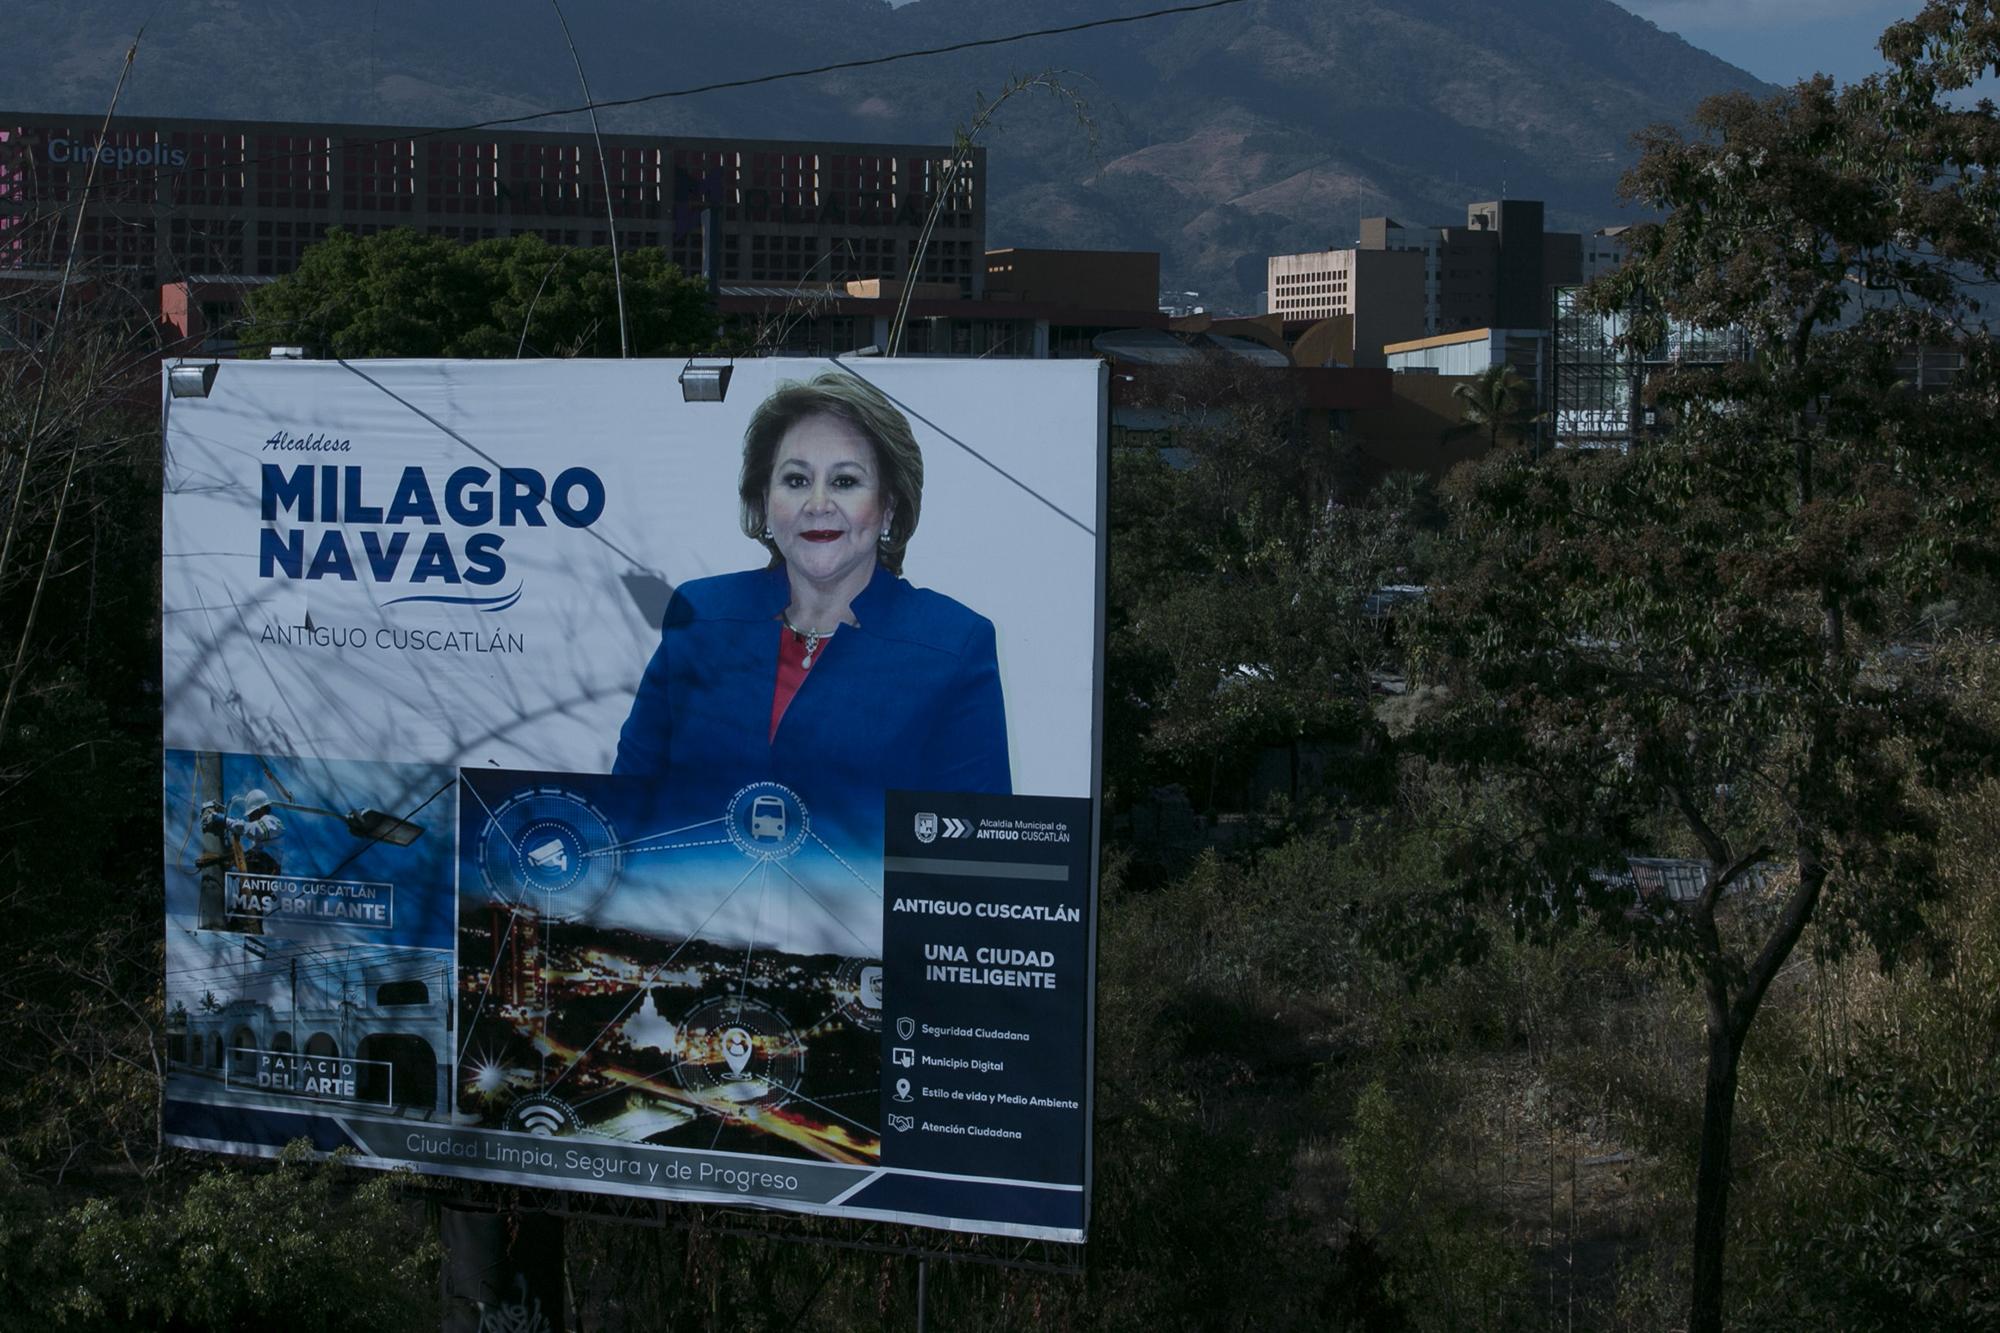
[878, 1221]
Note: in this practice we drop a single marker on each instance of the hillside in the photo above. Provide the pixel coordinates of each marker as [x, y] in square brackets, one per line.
[1216, 138]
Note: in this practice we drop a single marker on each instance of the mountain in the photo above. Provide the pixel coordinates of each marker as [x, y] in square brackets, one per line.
[1215, 137]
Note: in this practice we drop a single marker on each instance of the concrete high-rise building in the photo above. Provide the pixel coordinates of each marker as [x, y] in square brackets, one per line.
[1380, 290]
[1496, 271]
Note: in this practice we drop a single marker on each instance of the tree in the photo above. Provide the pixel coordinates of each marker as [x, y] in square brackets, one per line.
[1498, 403]
[1236, 588]
[399, 293]
[302, 1245]
[79, 728]
[1711, 646]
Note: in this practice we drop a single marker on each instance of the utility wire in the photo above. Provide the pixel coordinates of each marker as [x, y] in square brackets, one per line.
[603, 174]
[393, 396]
[753, 81]
[863, 63]
[912, 412]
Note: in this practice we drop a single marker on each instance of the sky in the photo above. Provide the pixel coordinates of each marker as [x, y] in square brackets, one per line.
[1783, 41]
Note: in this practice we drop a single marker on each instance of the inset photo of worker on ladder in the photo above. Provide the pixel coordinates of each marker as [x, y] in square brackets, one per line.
[321, 849]
[309, 930]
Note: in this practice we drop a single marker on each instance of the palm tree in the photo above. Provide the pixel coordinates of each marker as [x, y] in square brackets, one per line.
[1498, 403]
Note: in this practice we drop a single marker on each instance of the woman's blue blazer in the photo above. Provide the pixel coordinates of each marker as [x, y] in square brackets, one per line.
[906, 699]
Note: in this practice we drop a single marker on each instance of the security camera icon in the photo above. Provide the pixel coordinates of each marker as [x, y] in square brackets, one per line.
[551, 855]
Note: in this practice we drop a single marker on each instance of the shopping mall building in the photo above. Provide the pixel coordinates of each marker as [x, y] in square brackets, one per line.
[212, 199]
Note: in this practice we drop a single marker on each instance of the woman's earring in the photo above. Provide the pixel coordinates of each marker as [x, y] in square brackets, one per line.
[767, 532]
[885, 536]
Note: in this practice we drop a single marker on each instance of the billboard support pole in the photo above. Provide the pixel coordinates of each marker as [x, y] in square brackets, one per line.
[923, 1285]
[503, 1270]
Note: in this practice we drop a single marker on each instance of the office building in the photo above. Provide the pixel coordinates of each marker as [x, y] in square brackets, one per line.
[1380, 292]
[1600, 252]
[1500, 270]
[1600, 391]
[179, 199]
[1474, 352]
[1496, 271]
[1037, 303]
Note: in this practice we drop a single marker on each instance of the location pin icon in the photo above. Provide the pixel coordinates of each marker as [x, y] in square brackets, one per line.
[736, 1049]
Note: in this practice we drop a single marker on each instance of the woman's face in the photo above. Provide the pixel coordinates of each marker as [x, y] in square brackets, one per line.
[825, 506]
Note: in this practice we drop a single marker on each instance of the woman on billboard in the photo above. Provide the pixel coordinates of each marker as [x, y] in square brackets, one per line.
[824, 670]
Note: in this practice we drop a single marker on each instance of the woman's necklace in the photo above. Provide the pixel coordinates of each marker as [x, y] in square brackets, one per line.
[813, 637]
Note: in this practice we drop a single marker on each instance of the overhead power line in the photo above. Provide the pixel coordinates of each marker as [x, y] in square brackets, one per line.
[862, 63]
[725, 85]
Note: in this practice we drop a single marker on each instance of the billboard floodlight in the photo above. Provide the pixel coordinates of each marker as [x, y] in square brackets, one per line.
[376, 826]
[705, 384]
[366, 823]
[191, 381]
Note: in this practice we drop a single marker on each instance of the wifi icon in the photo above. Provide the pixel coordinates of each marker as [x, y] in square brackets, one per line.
[544, 1117]
[542, 1120]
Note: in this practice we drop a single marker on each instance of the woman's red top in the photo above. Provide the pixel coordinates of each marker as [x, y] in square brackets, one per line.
[792, 670]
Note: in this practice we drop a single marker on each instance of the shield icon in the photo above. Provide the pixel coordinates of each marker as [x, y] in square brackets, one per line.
[906, 1028]
[926, 828]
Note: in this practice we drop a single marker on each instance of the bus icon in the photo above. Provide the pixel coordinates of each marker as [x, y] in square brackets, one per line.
[767, 819]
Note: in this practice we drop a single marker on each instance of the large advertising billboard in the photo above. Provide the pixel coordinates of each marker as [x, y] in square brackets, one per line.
[572, 785]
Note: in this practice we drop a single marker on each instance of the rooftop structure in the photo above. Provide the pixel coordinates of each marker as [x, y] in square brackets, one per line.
[1096, 279]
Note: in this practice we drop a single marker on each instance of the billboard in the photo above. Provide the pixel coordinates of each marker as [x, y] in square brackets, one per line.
[571, 785]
